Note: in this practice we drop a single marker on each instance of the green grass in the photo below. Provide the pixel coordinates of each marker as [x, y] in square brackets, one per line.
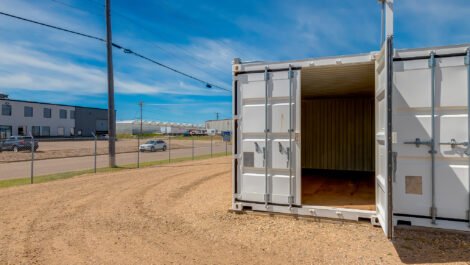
[65, 175]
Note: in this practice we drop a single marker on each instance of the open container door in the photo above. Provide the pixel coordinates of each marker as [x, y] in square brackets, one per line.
[267, 125]
[383, 129]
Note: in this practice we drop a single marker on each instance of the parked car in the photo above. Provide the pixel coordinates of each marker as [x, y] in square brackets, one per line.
[18, 143]
[153, 146]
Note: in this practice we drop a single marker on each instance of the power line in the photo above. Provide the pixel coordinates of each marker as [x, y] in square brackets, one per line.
[168, 51]
[125, 50]
[208, 85]
[53, 27]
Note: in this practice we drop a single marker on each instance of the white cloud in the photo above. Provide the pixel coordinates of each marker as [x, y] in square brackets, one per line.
[33, 70]
[315, 28]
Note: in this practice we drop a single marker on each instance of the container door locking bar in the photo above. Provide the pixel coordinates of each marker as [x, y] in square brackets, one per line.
[291, 129]
[266, 131]
[433, 210]
[418, 142]
[467, 152]
[453, 144]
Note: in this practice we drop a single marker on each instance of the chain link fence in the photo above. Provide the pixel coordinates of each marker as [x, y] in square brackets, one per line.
[34, 160]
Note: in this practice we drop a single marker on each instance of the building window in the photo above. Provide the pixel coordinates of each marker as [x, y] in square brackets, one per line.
[5, 131]
[28, 111]
[36, 130]
[22, 130]
[47, 113]
[6, 110]
[72, 114]
[46, 131]
[63, 114]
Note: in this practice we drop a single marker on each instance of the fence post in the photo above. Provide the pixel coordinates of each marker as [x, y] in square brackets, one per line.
[138, 150]
[32, 158]
[169, 148]
[226, 148]
[211, 144]
[95, 152]
[192, 140]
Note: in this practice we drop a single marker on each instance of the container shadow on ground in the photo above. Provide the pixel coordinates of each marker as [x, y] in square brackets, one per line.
[425, 246]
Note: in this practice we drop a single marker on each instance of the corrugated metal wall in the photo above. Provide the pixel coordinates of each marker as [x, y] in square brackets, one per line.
[338, 133]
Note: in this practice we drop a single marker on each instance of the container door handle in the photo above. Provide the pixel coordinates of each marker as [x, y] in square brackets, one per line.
[264, 156]
[288, 156]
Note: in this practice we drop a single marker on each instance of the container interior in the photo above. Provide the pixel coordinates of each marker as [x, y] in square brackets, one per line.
[337, 136]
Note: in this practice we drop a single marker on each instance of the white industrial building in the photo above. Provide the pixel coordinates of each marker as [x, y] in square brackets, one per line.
[382, 136]
[21, 117]
[154, 127]
[224, 125]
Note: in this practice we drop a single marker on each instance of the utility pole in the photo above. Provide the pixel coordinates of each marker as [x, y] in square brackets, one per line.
[111, 108]
[141, 104]
[217, 115]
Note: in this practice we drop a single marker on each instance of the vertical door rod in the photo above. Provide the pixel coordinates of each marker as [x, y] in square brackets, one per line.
[291, 129]
[467, 152]
[432, 64]
[266, 130]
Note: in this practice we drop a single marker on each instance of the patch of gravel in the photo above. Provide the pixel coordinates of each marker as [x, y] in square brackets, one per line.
[178, 214]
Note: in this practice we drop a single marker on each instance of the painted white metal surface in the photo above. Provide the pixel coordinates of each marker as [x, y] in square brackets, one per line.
[412, 119]
[381, 138]
[255, 152]
[388, 18]
[57, 126]
[311, 211]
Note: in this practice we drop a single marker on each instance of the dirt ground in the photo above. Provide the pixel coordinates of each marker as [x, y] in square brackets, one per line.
[177, 214]
[60, 149]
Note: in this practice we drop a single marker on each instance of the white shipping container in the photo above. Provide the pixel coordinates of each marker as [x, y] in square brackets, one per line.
[382, 136]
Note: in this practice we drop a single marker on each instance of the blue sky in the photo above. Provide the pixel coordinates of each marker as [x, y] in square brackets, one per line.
[198, 37]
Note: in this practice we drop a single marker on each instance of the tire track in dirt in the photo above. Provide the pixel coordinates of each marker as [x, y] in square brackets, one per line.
[80, 244]
[173, 226]
[34, 245]
[180, 192]
[160, 222]
[66, 213]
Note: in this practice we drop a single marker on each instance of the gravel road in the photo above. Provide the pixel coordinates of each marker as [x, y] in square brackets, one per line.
[177, 214]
